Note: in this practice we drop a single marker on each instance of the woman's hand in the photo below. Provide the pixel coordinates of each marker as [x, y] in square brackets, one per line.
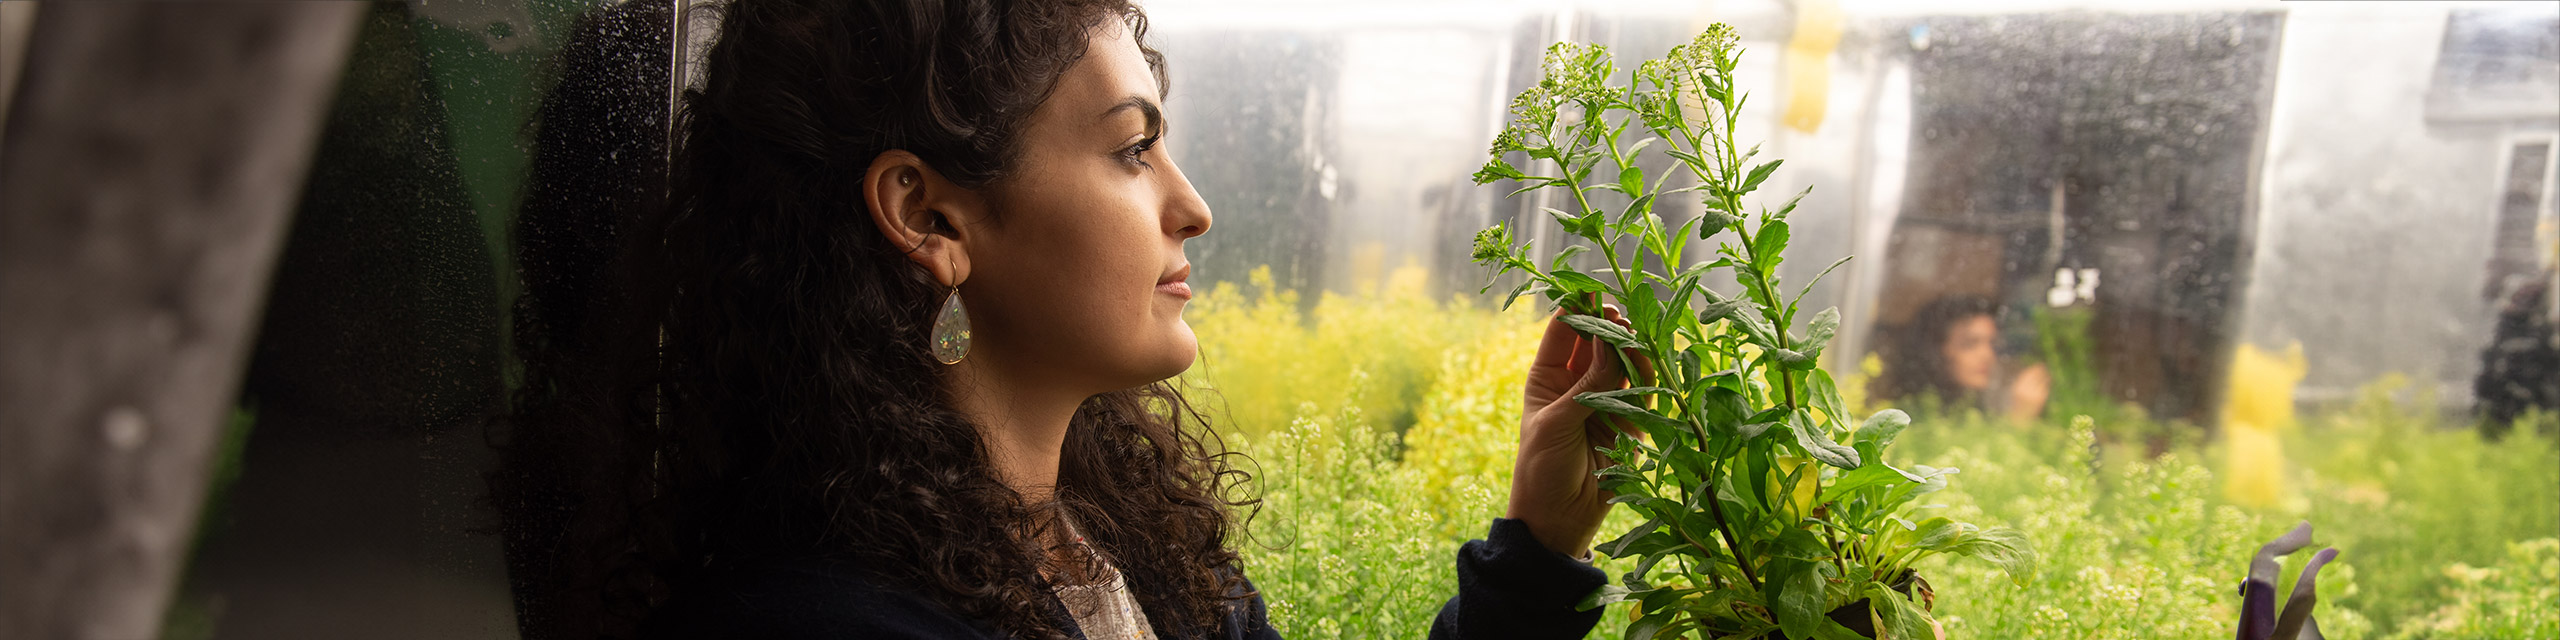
[1552, 486]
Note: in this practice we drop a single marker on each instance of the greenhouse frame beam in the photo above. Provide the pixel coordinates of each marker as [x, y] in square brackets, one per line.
[152, 158]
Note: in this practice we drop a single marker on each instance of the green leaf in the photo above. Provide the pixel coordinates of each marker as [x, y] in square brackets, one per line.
[1801, 544]
[1690, 463]
[1574, 282]
[1796, 593]
[1712, 220]
[1819, 330]
[1685, 156]
[1825, 395]
[1715, 603]
[1652, 623]
[1879, 432]
[1631, 180]
[1751, 430]
[1649, 546]
[1607, 594]
[1516, 292]
[1817, 278]
[1667, 599]
[1641, 207]
[1630, 391]
[1701, 268]
[1791, 204]
[1894, 615]
[1496, 169]
[1614, 406]
[1937, 533]
[1819, 446]
[1644, 314]
[1620, 547]
[1759, 174]
[1605, 330]
[1592, 225]
[1793, 360]
[1718, 406]
[1849, 482]
[1572, 224]
[1769, 245]
[1568, 253]
[2003, 547]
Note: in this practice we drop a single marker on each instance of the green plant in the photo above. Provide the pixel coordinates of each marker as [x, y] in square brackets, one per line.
[2511, 600]
[2064, 347]
[1759, 518]
[2422, 492]
[2134, 545]
[1340, 549]
[1263, 358]
[2134, 549]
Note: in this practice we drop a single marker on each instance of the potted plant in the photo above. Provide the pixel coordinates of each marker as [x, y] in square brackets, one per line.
[1770, 511]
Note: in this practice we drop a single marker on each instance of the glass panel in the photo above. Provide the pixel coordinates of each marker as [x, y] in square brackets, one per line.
[348, 498]
[2282, 257]
[2248, 240]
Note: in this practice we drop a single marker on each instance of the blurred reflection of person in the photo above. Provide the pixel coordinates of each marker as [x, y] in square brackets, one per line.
[1947, 353]
[2520, 370]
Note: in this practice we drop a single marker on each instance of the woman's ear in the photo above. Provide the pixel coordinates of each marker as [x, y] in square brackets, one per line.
[922, 214]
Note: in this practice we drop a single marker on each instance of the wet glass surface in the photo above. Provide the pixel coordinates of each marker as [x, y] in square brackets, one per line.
[2137, 198]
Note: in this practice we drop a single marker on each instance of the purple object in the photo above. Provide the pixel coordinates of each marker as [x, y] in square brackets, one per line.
[2259, 617]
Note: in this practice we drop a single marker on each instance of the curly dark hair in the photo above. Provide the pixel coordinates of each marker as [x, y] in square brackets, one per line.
[747, 376]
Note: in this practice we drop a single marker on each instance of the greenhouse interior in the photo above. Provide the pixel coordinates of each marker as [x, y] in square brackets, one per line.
[2183, 302]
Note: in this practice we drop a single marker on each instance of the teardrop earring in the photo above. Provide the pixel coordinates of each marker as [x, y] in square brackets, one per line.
[951, 330]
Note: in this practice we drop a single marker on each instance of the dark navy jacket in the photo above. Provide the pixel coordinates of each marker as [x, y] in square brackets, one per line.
[1509, 587]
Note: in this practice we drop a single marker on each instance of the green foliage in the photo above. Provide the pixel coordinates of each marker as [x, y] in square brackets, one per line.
[2133, 551]
[1340, 549]
[2514, 599]
[2064, 346]
[2421, 493]
[1262, 356]
[1358, 539]
[1765, 505]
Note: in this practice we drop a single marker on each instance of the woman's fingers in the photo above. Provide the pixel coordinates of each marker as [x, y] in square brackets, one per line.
[1605, 375]
[1556, 348]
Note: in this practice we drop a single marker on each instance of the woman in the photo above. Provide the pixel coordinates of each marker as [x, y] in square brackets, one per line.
[1947, 353]
[893, 363]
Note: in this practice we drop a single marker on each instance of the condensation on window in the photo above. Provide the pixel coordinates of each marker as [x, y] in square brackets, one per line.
[2156, 190]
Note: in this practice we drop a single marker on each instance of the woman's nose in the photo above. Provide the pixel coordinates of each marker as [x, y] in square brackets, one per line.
[1186, 214]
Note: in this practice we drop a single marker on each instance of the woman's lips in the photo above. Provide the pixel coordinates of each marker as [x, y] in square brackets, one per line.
[1175, 288]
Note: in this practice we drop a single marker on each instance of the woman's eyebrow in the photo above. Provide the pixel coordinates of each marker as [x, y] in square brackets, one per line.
[1154, 114]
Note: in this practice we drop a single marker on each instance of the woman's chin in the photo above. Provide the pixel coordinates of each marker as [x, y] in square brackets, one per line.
[1179, 356]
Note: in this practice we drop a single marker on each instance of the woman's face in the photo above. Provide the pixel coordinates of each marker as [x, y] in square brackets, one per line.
[1082, 279]
[1968, 352]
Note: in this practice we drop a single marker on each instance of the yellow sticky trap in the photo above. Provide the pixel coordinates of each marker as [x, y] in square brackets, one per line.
[1797, 500]
[1809, 63]
[2259, 406]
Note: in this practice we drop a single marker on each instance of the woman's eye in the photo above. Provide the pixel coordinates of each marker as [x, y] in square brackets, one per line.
[1136, 151]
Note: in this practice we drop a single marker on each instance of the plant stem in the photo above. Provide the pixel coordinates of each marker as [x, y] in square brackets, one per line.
[1715, 507]
[1834, 538]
